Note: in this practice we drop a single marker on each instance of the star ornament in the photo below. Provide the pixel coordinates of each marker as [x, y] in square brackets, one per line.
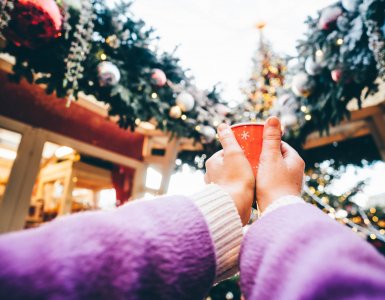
[245, 135]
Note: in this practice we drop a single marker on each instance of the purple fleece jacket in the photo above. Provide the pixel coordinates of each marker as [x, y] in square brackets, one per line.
[162, 249]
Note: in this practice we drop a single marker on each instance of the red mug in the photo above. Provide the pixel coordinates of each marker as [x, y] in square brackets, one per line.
[249, 136]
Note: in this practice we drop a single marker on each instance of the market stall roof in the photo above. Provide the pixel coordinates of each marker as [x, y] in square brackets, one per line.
[29, 104]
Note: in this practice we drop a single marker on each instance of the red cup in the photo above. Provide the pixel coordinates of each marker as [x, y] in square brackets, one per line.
[249, 136]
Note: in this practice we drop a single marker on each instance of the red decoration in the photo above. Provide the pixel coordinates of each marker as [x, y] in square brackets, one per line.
[329, 17]
[34, 22]
[336, 75]
[123, 180]
[158, 77]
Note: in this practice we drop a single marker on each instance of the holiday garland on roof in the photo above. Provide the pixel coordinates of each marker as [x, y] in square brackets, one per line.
[341, 59]
[85, 46]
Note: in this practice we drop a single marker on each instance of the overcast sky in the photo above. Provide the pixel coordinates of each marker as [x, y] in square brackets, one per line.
[217, 38]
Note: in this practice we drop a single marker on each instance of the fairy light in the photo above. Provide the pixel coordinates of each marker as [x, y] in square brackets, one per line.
[103, 56]
[307, 117]
[373, 210]
[369, 231]
[303, 108]
[197, 128]
[137, 121]
[375, 219]
[183, 117]
[319, 53]
[339, 41]
[154, 95]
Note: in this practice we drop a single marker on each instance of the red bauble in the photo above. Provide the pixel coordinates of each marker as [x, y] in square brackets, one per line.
[158, 77]
[329, 17]
[336, 75]
[34, 22]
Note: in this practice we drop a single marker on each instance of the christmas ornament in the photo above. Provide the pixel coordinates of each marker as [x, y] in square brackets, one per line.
[175, 112]
[34, 22]
[108, 74]
[350, 5]
[311, 67]
[302, 85]
[289, 120]
[158, 77]
[185, 101]
[328, 17]
[208, 133]
[336, 75]
[113, 41]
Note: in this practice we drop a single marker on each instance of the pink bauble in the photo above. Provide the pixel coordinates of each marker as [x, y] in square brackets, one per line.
[34, 22]
[328, 17]
[336, 75]
[158, 77]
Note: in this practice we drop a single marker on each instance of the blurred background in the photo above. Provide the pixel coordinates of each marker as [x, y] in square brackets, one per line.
[104, 102]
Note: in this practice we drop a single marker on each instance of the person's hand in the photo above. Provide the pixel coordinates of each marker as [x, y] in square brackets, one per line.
[280, 170]
[230, 169]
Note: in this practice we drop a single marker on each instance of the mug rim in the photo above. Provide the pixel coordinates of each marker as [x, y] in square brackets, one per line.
[248, 124]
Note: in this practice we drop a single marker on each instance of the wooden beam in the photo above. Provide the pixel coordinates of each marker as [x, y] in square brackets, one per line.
[337, 134]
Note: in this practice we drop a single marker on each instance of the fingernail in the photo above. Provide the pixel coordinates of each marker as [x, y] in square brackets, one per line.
[222, 127]
[273, 122]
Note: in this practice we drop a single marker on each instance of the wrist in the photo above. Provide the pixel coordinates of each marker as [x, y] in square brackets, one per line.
[243, 196]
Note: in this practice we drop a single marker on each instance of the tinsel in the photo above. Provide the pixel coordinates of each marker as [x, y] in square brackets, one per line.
[6, 6]
[376, 37]
[80, 47]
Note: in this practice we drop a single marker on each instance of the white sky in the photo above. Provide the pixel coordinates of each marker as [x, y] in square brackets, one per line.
[218, 38]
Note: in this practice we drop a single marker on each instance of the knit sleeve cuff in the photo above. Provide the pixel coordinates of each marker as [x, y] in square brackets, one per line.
[283, 201]
[225, 226]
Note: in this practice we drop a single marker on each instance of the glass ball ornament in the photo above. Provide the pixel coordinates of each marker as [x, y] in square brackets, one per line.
[350, 5]
[185, 101]
[209, 133]
[34, 22]
[302, 85]
[328, 17]
[158, 77]
[175, 112]
[108, 74]
[311, 67]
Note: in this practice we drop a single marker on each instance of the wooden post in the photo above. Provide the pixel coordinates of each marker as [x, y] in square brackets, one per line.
[17, 196]
[169, 164]
[377, 125]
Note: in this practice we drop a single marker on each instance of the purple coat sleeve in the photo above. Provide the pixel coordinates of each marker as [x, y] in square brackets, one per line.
[298, 252]
[149, 249]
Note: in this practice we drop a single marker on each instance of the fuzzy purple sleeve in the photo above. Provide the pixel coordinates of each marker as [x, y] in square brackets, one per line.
[150, 249]
[298, 252]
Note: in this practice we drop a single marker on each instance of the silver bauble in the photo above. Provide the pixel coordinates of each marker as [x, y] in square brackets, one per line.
[185, 101]
[108, 74]
[311, 67]
[350, 5]
[302, 85]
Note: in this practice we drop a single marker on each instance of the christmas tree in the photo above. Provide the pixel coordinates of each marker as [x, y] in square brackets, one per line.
[263, 86]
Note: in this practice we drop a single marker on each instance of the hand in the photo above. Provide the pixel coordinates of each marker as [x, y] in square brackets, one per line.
[280, 170]
[230, 169]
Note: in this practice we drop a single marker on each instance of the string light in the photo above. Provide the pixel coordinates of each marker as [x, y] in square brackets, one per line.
[373, 210]
[183, 117]
[307, 117]
[339, 42]
[375, 219]
[154, 95]
[319, 53]
[137, 121]
[197, 128]
[370, 231]
[303, 108]
[103, 56]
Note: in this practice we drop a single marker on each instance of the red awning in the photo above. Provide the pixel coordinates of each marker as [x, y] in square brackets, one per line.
[31, 105]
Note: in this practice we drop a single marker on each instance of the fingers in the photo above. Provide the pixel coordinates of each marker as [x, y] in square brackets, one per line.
[291, 156]
[227, 139]
[272, 138]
